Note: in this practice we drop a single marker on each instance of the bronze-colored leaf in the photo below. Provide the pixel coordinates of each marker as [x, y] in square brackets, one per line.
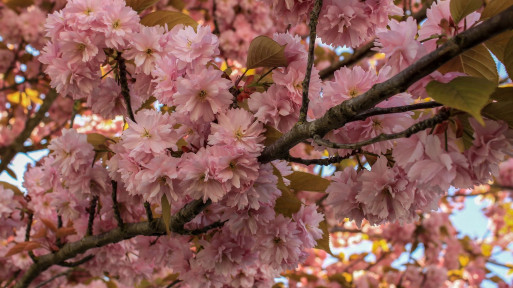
[494, 7]
[461, 8]
[508, 58]
[13, 4]
[171, 18]
[14, 189]
[140, 5]
[324, 242]
[265, 52]
[497, 44]
[302, 181]
[271, 135]
[475, 62]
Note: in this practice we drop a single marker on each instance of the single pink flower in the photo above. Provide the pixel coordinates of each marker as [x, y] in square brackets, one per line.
[239, 128]
[203, 94]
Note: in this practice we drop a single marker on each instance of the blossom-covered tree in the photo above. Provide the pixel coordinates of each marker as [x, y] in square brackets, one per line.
[229, 143]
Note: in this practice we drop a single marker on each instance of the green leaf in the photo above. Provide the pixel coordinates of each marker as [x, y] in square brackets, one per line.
[475, 62]
[497, 44]
[265, 52]
[171, 18]
[469, 94]
[271, 135]
[324, 242]
[140, 5]
[287, 204]
[494, 7]
[97, 140]
[302, 181]
[166, 212]
[14, 189]
[461, 8]
[508, 58]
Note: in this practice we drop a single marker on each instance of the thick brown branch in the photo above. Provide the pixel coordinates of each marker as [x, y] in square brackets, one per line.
[314, 18]
[10, 151]
[341, 114]
[70, 250]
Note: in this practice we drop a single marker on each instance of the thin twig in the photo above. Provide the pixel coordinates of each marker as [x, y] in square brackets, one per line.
[27, 235]
[205, 229]
[123, 82]
[323, 161]
[92, 211]
[392, 110]
[58, 241]
[173, 283]
[149, 213]
[420, 126]
[53, 278]
[115, 205]
[314, 18]
[76, 263]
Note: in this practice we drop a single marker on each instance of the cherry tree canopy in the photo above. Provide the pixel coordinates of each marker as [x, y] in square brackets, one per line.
[223, 143]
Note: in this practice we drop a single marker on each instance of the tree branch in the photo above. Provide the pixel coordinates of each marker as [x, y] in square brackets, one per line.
[358, 54]
[382, 111]
[314, 18]
[420, 126]
[123, 82]
[27, 235]
[42, 284]
[72, 249]
[323, 161]
[115, 205]
[76, 263]
[10, 151]
[345, 112]
[92, 212]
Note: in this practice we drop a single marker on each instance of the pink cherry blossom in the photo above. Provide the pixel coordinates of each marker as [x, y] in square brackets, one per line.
[440, 25]
[492, 143]
[146, 48]
[193, 47]
[387, 194]
[399, 44]
[71, 152]
[342, 194]
[151, 133]
[203, 95]
[237, 127]
[198, 178]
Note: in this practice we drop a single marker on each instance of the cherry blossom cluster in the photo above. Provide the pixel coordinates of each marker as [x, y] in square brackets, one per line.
[342, 22]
